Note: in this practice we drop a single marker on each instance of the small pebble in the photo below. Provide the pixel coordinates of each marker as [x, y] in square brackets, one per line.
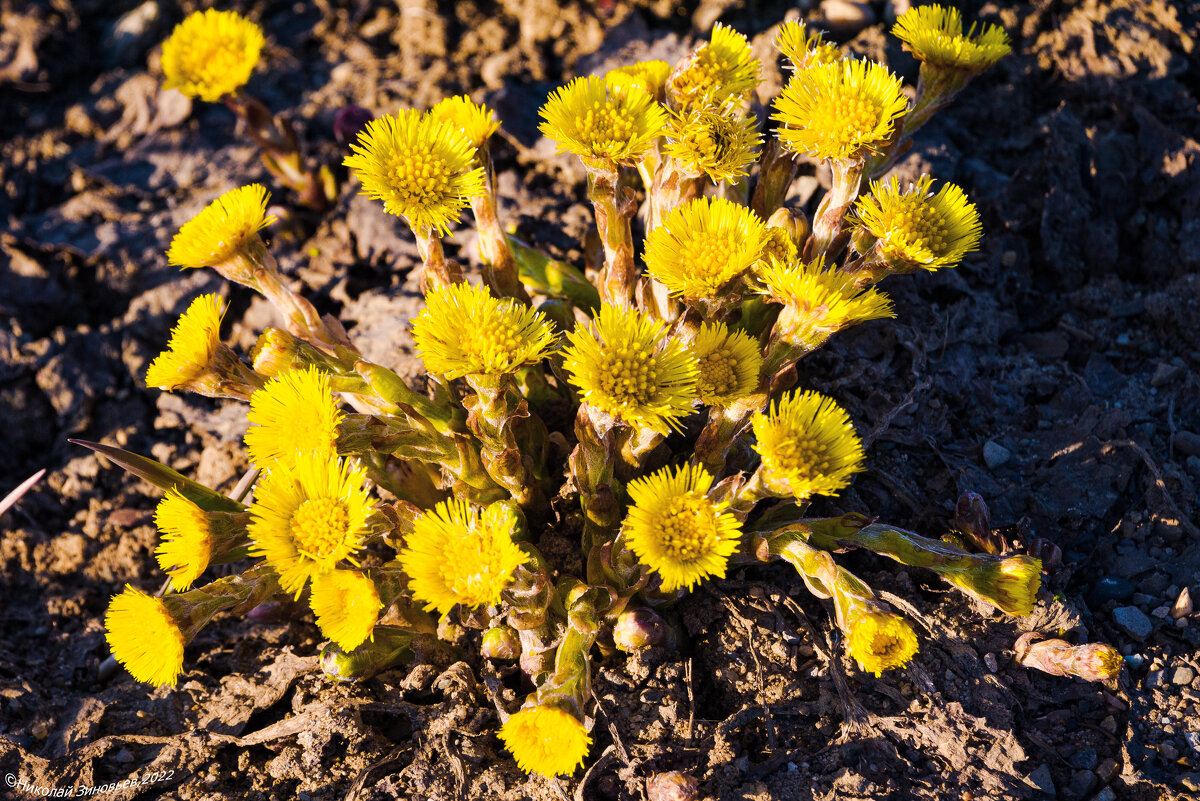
[1082, 783]
[1162, 612]
[1193, 740]
[995, 455]
[1110, 588]
[1183, 675]
[990, 660]
[1183, 604]
[1042, 780]
[1168, 751]
[1106, 794]
[1107, 770]
[1133, 621]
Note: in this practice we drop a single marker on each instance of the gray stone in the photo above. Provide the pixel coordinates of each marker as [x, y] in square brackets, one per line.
[995, 455]
[1042, 780]
[1084, 760]
[1143, 599]
[1193, 740]
[1168, 751]
[1133, 621]
[1183, 675]
[1106, 795]
[1156, 678]
[1110, 588]
[1082, 783]
[1107, 770]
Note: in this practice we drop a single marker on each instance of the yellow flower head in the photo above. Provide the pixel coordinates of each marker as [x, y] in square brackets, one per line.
[649, 76]
[917, 228]
[880, 640]
[308, 515]
[808, 446]
[459, 554]
[844, 110]
[777, 247]
[423, 169]
[546, 740]
[703, 246]
[194, 341]
[187, 541]
[464, 330]
[227, 228]
[211, 54]
[675, 529]
[627, 367]
[294, 414]
[145, 637]
[818, 302]
[720, 70]
[1010, 583]
[805, 48]
[603, 125]
[475, 120]
[346, 605]
[729, 364]
[718, 142]
[934, 34]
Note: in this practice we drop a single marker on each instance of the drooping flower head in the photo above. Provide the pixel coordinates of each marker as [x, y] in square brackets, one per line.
[346, 605]
[460, 554]
[308, 515]
[719, 142]
[188, 539]
[676, 530]
[546, 740]
[626, 366]
[465, 330]
[145, 637]
[808, 446]
[703, 246]
[805, 48]
[934, 34]
[843, 110]
[194, 342]
[295, 414]
[720, 70]
[649, 76]
[880, 640]
[917, 229]
[605, 126]
[227, 229]
[421, 167]
[211, 54]
[1010, 583]
[818, 303]
[729, 364]
[475, 120]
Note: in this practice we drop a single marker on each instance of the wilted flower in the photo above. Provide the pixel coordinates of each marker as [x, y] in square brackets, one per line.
[719, 142]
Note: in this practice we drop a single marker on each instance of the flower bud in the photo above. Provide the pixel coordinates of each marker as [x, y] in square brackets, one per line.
[348, 121]
[795, 223]
[672, 786]
[389, 646]
[973, 520]
[638, 628]
[1094, 661]
[501, 642]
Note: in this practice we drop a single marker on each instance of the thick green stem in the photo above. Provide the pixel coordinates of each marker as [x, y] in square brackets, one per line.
[827, 224]
[614, 210]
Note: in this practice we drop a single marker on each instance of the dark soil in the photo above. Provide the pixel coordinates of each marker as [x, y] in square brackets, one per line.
[1067, 351]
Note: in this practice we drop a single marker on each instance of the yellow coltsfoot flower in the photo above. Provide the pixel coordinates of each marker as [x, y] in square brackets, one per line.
[346, 605]
[145, 637]
[422, 168]
[225, 235]
[676, 530]
[626, 366]
[844, 110]
[309, 514]
[191, 538]
[1010, 583]
[805, 48]
[818, 303]
[605, 126]
[729, 364]
[917, 229]
[475, 120]
[546, 740]
[934, 34]
[879, 640]
[703, 247]
[465, 330]
[719, 142]
[459, 554]
[197, 360]
[211, 54]
[293, 415]
[649, 76]
[808, 446]
[723, 69]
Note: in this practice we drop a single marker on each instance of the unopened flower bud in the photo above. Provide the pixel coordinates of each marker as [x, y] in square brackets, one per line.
[501, 642]
[672, 786]
[638, 628]
[973, 520]
[1094, 661]
[348, 121]
[795, 223]
[389, 646]
[1047, 551]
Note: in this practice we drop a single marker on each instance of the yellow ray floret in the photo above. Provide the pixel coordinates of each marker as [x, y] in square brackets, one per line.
[604, 127]
[703, 246]
[844, 110]
[808, 446]
[729, 363]
[917, 228]
[649, 76]
[676, 530]
[546, 740]
[144, 637]
[423, 169]
[934, 34]
[721, 143]
[187, 542]
[459, 554]
[294, 414]
[805, 48]
[308, 515]
[211, 54]
[346, 605]
[880, 640]
[626, 366]
[464, 330]
[720, 70]
[227, 228]
[194, 341]
[818, 302]
[475, 120]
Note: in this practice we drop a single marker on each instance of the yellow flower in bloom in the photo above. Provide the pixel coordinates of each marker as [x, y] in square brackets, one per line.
[934, 34]
[227, 228]
[144, 637]
[649, 76]
[187, 541]
[346, 605]
[718, 142]
[294, 414]
[720, 70]
[194, 341]
[457, 554]
[603, 126]
[475, 120]
[464, 330]
[729, 363]
[805, 48]
[844, 110]
[307, 516]
[917, 228]
[808, 446]
[880, 640]
[703, 246]
[627, 367]
[211, 54]
[675, 529]
[1010, 583]
[546, 740]
[818, 302]
[423, 169]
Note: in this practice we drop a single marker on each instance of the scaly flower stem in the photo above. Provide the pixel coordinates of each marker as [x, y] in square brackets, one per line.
[778, 169]
[827, 223]
[438, 271]
[723, 428]
[591, 464]
[614, 210]
[497, 415]
[499, 265]
[238, 593]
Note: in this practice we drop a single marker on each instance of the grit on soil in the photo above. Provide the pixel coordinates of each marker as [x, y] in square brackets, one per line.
[1055, 373]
